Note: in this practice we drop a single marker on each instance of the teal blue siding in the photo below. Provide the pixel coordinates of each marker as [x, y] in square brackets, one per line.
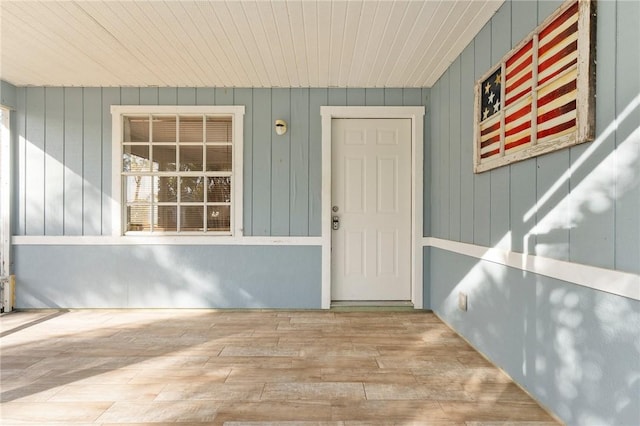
[454, 151]
[63, 152]
[317, 99]
[149, 96]
[560, 205]
[280, 163]
[568, 346]
[147, 276]
[262, 129]
[580, 205]
[34, 153]
[92, 161]
[54, 161]
[73, 201]
[627, 184]
[299, 179]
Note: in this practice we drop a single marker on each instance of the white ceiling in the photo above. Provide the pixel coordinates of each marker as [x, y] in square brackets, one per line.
[235, 43]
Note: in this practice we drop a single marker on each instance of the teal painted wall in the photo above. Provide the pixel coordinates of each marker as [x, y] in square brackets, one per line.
[580, 204]
[158, 276]
[568, 345]
[63, 153]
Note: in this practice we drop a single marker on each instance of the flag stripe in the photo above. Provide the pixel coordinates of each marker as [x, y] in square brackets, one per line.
[554, 73]
[518, 129]
[557, 129]
[557, 93]
[516, 67]
[567, 33]
[513, 98]
[490, 153]
[519, 82]
[519, 54]
[519, 113]
[567, 50]
[559, 21]
[490, 129]
[568, 116]
[517, 143]
[490, 141]
[557, 112]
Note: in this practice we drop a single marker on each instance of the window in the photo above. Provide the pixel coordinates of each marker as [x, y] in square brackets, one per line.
[179, 170]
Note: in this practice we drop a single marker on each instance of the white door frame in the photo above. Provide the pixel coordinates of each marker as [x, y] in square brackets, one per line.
[416, 114]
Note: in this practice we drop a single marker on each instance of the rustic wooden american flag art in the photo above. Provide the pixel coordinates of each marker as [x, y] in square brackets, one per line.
[541, 96]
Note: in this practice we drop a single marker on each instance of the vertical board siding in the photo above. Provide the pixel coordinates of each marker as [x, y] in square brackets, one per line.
[374, 97]
[21, 169]
[337, 97]
[414, 96]
[131, 96]
[224, 96]
[443, 160]
[148, 96]
[73, 202]
[280, 163]
[392, 97]
[262, 162]
[436, 144]
[92, 161]
[466, 145]
[245, 97]
[186, 96]
[54, 161]
[35, 165]
[64, 147]
[317, 98]
[205, 96]
[299, 180]
[501, 177]
[166, 96]
[522, 188]
[595, 225]
[356, 97]
[482, 182]
[454, 151]
[560, 205]
[627, 160]
[110, 96]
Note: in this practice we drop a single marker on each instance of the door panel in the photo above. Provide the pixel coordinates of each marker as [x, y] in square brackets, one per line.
[371, 189]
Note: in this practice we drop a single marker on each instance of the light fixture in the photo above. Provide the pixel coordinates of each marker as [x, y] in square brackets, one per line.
[281, 127]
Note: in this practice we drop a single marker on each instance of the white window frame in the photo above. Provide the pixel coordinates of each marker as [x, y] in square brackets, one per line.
[237, 115]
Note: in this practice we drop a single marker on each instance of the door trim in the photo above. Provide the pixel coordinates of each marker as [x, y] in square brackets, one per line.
[416, 115]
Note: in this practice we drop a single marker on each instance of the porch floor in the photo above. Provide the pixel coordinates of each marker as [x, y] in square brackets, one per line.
[116, 367]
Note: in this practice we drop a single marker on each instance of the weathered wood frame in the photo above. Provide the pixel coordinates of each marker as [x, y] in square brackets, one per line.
[585, 98]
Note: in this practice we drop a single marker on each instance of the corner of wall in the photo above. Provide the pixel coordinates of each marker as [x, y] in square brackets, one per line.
[7, 94]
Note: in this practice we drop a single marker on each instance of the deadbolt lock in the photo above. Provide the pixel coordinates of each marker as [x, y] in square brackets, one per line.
[336, 223]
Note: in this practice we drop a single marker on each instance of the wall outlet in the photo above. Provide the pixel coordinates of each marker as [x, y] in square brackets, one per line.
[462, 301]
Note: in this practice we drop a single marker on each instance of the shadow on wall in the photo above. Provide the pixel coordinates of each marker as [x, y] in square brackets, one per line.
[157, 276]
[577, 350]
[615, 176]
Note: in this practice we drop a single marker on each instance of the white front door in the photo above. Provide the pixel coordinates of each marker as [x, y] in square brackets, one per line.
[371, 203]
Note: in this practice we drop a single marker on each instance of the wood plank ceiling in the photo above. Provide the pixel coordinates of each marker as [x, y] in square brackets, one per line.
[235, 43]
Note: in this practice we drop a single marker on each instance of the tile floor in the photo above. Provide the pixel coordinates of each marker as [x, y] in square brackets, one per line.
[151, 367]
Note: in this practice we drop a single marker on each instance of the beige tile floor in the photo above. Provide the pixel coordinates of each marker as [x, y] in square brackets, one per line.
[151, 367]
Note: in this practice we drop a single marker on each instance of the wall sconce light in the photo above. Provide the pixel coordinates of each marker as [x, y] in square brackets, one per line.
[281, 127]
